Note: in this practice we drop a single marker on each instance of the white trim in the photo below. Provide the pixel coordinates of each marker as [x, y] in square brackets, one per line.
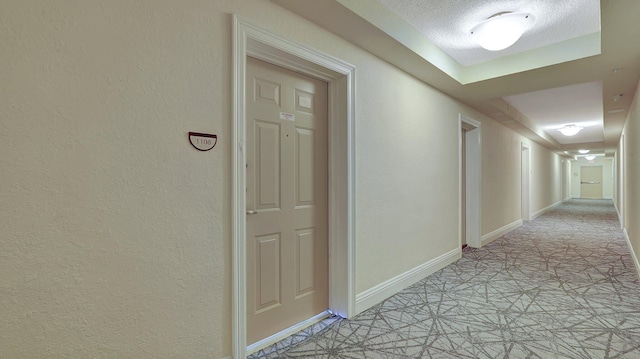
[386, 289]
[492, 236]
[607, 197]
[538, 213]
[286, 333]
[525, 181]
[251, 40]
[621, 192]
[473, 166]
[633, 254]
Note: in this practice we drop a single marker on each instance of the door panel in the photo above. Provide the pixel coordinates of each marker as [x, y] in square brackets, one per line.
[267, 165]
[304, 167]
[287, 243]
[591, 182]
[268, 266]
[305, 244]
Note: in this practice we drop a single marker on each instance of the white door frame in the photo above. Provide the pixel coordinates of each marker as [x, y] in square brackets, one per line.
[621, 189]
[251, 40]
[526, 181]
[472, 172]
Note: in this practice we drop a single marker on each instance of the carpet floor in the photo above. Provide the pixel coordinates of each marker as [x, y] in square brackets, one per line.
[561, 286]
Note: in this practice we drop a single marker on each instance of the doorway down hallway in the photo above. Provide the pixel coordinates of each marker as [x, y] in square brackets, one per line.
[562, 286]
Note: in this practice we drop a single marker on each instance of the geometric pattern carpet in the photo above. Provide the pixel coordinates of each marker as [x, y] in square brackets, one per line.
[561, 286]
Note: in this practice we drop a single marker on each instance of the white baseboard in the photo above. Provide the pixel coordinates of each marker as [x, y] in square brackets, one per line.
[615, 205]
[384, 290]
[537, 214]
[286, 333]
[633, 254]
[607, 197]
[492, 236]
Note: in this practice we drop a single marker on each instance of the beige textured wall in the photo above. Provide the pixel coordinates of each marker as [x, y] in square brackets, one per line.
[501, 179]
[631, 173]
[566, 179]
[116, 233]
[407, 173]
[546, 178]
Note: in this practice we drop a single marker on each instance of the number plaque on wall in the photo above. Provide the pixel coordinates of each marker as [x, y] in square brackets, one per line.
[202, 141]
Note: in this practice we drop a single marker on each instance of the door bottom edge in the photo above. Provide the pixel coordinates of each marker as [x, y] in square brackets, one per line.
[261, 344]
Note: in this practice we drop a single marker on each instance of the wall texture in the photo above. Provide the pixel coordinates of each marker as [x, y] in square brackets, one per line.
[546, 178]
[501, 178]
[566, 179]
[116, 232]
[631, 174]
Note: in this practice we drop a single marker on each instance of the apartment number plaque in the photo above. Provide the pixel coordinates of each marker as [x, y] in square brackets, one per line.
[203, 141]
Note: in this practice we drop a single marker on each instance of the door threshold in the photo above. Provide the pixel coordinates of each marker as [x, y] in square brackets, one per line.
[286, 332]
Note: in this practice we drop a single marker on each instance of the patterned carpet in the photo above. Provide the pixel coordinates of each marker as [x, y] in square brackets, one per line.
[562, 286]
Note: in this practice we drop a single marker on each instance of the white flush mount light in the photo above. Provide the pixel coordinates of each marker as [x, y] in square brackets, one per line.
[583, 151]
[590, 157]
[570, 130]
[501, 30]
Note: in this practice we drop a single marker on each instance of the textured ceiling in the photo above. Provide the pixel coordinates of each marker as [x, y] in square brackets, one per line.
[514, 89]
[447, 23]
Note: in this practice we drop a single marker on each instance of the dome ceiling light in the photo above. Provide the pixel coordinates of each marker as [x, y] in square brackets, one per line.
[570, 130]
[583, 151]
[501, 30]
[590, 157]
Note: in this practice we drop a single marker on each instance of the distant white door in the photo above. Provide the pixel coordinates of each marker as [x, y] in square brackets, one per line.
[287, 230]
[591, 182]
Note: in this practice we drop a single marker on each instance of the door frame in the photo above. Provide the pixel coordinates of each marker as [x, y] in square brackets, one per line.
[525, 169]
[251, 40]
[621, 190]
[472, 170]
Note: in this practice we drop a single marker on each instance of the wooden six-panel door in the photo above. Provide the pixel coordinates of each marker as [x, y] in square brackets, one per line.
[287, 243]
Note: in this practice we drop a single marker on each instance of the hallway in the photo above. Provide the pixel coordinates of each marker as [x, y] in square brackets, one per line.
[562, 286]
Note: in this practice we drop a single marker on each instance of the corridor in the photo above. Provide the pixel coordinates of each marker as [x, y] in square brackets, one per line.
[562, 286]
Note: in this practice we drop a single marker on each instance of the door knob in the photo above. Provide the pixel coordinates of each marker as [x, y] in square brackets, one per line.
[251, 211]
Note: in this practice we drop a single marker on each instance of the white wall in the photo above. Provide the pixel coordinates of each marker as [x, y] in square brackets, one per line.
[116, 233]
[566, 179]
[607, 175]
[546, 179]
[629, 175]
[501, 178]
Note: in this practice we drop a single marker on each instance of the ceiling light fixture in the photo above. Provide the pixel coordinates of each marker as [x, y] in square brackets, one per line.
[501, 30]
[617, 97]
[570, 130]
[590, 157]
[583, 151]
